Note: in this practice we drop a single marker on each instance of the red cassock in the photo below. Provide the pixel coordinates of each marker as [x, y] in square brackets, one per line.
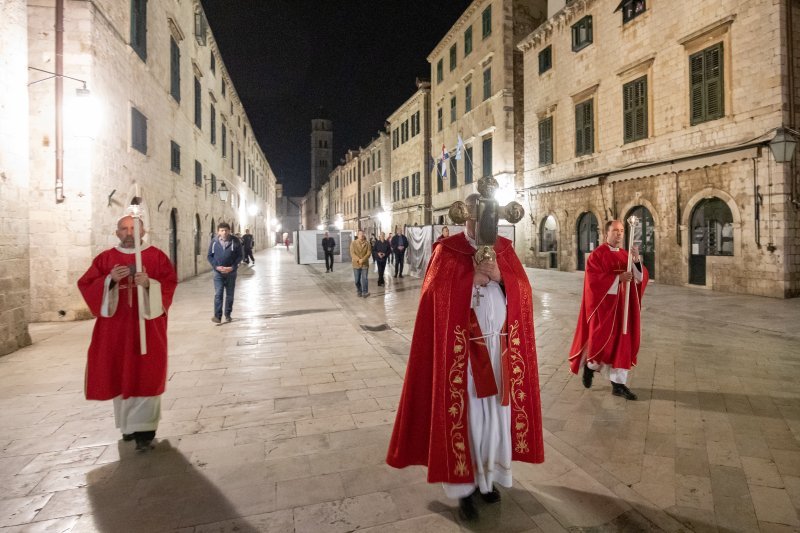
[598, 336]
[115, 366]
[431, 427]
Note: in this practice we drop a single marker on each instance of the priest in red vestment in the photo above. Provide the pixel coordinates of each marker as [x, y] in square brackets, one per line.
[116, 370]
[470, 402]
[599, 343]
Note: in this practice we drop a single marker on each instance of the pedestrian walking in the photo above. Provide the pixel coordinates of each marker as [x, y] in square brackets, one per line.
[470, 402]
[248, 243]
[382, 251]
[116, 369]
[328, 246]
[224, 255]
[399, 245]
[360, 250]
[600, 344]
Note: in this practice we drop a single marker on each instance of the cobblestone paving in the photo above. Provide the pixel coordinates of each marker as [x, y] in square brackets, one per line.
[279, 421]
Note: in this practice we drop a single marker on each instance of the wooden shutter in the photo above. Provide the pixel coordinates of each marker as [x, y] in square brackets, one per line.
[584, 128]
[634, 105]
[641, 109]
[546, 141]
[715, 103]
[579, 149]
[696, 68]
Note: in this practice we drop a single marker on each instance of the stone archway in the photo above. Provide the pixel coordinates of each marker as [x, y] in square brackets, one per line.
[548, 239]
[198, 243]
[173, 237]
[711, 230]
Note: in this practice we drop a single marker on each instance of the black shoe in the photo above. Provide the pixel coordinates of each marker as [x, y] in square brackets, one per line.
[216, 320]
[395, 275]
[401, 275]
[491, 497]
[127, 437]
[467, 509]
[228, 318]
[588, 376]
[618, 389]
[144, 440]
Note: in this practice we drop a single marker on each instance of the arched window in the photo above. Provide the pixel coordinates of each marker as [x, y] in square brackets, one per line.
[548, 231]
[712, 228]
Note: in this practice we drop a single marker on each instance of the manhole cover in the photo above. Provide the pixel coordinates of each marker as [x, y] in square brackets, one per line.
[382, 327]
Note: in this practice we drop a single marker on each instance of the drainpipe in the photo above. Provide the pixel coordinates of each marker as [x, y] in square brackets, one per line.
[757, 203]
[59, 185]
[790, 82]
[678, 235]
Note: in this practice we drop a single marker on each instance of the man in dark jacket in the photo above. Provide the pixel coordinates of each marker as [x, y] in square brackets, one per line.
[224, 255]
[399, 244]
[381, 252]
[247, 246]
[328, 246]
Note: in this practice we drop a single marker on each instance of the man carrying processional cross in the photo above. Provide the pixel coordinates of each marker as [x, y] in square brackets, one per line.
[470, 402]
[127, 364]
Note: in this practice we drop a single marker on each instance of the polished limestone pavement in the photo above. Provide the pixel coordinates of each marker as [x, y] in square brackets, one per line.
[279, 421]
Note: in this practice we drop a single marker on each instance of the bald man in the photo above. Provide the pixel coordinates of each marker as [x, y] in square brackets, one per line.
[116, 369]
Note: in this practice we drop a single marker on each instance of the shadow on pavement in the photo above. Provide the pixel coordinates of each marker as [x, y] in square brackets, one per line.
[755, 405]
[158, 490]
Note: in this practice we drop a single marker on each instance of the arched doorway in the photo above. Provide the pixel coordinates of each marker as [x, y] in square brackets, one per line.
[588, 238]
[712, 234]
[548, 239]
[198, 243]
[646, 239]
[173, 237]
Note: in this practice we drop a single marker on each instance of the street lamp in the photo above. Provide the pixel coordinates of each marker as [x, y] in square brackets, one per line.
[223, 192]
[783, 145]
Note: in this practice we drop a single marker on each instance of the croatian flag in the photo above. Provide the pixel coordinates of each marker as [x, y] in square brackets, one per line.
[445, 157]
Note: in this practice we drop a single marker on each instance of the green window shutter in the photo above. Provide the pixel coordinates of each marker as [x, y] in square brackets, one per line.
[696, 68]
[641, 109]
[588, 126]
[715, 102]
[546, 141]
[634, 105]
[584, 128]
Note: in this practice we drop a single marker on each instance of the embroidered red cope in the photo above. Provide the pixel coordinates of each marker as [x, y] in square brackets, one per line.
[431, 427]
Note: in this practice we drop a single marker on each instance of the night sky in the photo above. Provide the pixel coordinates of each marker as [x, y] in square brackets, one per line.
[356, 59]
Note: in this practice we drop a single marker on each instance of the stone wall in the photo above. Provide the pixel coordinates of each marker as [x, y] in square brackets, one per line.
[677, 164]
[103, 171]
[14, 175]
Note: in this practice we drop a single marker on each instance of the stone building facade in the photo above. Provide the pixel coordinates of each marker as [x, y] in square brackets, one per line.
[475, 86]
[14, 177]
[348, 191]
[665, 110]
[375, 173]
[163, 122]
[409, 189]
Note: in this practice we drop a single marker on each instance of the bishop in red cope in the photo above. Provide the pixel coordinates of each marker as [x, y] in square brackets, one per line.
[599, 343]
[116, 370]
[470, 401]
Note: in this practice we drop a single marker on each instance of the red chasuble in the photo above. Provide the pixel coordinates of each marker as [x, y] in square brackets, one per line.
[115, 367]
[598, 337]
[431, 427]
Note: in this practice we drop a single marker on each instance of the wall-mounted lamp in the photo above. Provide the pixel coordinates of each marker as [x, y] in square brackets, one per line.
[783, 145]
[222, 190]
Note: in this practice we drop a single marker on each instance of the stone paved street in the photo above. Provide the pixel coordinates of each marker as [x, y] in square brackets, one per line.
[279, 421]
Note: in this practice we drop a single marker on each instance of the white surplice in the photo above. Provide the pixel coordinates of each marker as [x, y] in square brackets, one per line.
[489, 421]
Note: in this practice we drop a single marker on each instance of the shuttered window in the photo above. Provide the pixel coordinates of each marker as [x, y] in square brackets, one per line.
[546, 141]
[138, 131]
[139, 28]
[545, 59]
[707, 86]
[634, 105]
[174, 70]
[584, 128]
[175, 157]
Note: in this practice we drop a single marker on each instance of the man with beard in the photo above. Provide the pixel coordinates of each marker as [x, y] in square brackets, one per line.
[116, 369]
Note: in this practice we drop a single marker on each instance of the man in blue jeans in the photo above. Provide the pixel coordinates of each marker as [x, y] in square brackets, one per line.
[224, 255]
